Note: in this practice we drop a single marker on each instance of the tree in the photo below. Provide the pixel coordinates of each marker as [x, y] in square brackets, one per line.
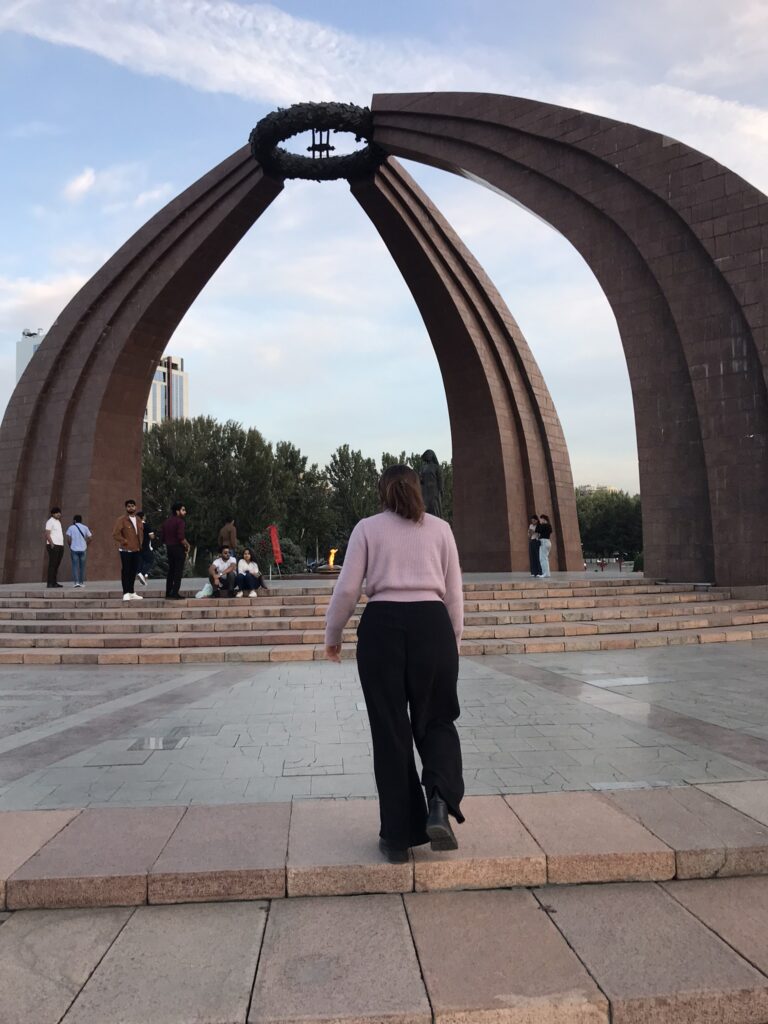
[216, 469]
[609, 521]
[354, 481]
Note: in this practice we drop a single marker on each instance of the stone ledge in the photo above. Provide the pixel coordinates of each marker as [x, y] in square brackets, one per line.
[134, 856]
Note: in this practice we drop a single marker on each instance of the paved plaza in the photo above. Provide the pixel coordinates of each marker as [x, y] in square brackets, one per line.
[79, 736]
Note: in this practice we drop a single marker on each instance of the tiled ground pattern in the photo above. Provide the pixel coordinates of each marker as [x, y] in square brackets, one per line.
[83, 736]
[545, 955]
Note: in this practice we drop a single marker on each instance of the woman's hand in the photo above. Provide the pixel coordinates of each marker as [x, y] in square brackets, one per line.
[333, 652]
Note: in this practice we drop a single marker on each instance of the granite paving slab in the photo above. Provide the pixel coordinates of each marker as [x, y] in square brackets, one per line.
[333, 850]
[230, 852]
[46, 956]
[22, 834]
[495, 850]
[709, 838]
[735, 908]
[100, 859]
[585, 839]
[493, 956]
[177, 965]
[750, 798]
[339, 959]
[655, 961]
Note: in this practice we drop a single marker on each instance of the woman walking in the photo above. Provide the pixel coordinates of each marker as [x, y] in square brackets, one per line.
[408, 660]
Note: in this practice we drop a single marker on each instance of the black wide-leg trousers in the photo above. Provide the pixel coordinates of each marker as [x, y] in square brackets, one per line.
[408, 662]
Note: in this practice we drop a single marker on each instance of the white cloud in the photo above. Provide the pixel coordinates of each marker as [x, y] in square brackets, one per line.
[153, 196]
[77, 187]
[26, 302]
[119, 187]
[250, 50]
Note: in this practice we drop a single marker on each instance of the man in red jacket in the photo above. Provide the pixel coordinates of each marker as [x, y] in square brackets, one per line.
[176, 544]
[128, 534]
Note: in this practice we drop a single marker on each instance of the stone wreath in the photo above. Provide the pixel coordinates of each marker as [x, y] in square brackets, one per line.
[285, 122]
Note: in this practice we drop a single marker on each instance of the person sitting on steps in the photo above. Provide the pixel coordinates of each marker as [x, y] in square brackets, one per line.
[223, 574]
[248, 576]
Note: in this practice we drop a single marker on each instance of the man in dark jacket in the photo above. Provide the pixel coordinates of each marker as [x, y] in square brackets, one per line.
[128, 534]
[176, 544]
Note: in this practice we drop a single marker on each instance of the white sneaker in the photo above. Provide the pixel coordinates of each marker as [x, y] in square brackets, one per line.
[254, 593]
[136, 597]
[141, 578]
[127, 597]
[239, 594]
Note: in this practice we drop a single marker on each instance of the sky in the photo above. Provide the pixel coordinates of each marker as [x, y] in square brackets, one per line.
[109, 108]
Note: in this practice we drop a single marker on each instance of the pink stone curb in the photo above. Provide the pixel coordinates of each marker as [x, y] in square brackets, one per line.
[132, 856]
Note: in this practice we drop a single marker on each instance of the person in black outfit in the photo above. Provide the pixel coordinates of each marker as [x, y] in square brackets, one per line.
[545, 544]
[147, 553]
[408, 661]
[172, 534]
[533, 545]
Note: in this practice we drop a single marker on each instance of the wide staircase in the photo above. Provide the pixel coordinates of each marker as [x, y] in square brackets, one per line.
[94, 626]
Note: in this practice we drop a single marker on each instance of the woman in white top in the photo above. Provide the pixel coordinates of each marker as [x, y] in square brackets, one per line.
[408, 661]
[248, 576]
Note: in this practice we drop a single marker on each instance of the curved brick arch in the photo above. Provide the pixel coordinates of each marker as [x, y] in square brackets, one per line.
[680, 246]
[509, 452]
[72, 431]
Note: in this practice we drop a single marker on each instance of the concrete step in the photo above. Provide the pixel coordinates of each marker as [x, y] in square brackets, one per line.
[246, 607]
[245, 632]
[583, 954]
[128, 856]
[284, 647]
[505, 623]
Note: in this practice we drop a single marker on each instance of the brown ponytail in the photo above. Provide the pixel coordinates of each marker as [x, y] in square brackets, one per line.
[400, 491]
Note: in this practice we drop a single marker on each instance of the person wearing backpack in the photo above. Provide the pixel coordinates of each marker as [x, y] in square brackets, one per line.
[78, 538]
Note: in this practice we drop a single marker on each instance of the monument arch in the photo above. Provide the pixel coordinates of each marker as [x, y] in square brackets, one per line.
[676, 241]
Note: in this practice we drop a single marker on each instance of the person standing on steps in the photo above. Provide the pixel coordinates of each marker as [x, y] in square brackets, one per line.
[545, 545]
[533, 545]
[228, 536]
[173, 535]
[147, 552]
[128, 534]
[408, 661]
[78, 538]
[54, 542]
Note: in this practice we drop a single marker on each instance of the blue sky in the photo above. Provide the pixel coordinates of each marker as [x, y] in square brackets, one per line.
[111, 107]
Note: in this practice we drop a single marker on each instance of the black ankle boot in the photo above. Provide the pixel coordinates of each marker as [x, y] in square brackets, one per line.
[438, 826]
[394, 854]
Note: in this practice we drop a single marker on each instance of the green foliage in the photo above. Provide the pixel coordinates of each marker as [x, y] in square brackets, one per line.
[639, 562]
[610, 522]
[294, 559]
[216, 469]
[354, 480]
[222, 469]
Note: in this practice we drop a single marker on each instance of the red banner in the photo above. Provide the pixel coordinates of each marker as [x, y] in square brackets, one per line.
[277, 554]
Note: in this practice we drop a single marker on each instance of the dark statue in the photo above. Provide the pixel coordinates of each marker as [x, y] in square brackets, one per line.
[431, 478]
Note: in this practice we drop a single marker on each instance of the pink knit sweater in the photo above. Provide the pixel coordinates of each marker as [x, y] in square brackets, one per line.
[400, 561]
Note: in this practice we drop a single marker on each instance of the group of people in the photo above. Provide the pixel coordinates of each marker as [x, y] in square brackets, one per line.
[539, 545]
[230, 576]
[136, 539]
